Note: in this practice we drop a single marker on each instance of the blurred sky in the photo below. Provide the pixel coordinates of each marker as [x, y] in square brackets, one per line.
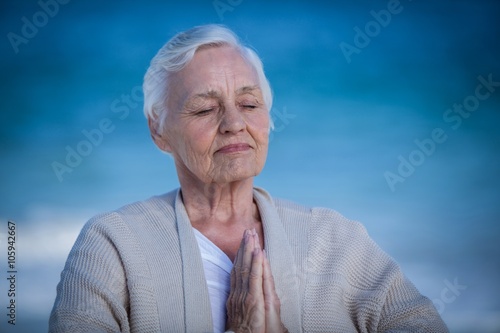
[340, 127]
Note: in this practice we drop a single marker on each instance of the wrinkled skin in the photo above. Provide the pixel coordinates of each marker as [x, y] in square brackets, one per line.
[253, 305]
[217, 131]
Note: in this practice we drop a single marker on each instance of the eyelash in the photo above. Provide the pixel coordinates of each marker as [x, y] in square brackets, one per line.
[207, 111]
[204, 112]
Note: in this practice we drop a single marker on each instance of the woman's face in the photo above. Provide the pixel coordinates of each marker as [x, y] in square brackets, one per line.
[217, 126]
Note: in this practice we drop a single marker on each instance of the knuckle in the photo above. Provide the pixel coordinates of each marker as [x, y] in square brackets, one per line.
[244, 271]
[250, 301]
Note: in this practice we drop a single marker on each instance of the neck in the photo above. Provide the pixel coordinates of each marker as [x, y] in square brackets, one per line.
[220, 204]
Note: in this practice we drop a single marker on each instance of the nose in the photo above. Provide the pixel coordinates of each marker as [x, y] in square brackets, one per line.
[232, 120]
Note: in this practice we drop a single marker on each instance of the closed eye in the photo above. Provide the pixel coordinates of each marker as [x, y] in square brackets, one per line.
[204, 112]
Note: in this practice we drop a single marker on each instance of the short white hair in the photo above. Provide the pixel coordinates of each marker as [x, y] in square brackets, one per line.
[178, 52]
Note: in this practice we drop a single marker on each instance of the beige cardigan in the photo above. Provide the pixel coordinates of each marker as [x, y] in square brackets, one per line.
[138, 269]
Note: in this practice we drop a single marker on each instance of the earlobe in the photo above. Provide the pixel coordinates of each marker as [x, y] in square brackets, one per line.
[158, 139]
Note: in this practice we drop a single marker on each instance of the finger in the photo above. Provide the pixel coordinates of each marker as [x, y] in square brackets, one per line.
[236, 294]
[238, 263]
[269, 287]
[242, 270]
[246, 265]
[255, 278]
[272, 302]
[256, 239]
[235, 277]
[245, 307]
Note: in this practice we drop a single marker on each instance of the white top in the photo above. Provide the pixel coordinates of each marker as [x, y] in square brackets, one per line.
[217, 266]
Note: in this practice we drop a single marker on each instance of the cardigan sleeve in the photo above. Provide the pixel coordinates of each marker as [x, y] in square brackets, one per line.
[354, 278]
[92, 294]
[406, 310]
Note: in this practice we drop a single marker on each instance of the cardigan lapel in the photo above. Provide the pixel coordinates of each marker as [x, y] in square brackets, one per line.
[197, 307]
[281, 259]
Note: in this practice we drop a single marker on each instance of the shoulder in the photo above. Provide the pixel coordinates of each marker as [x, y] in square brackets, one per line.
[157, 211]
[123, 239]
[323, 229]
[333, 240]
[160, 206]
[322, 219]
[339, 247]
[139, 211]
[326, 221]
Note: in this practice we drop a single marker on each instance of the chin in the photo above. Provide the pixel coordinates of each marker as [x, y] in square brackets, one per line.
[233, 175]
[231, 178]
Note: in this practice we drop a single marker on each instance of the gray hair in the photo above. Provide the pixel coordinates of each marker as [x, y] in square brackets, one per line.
[178, 52]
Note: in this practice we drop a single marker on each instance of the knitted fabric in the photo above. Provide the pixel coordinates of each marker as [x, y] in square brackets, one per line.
[139, 269]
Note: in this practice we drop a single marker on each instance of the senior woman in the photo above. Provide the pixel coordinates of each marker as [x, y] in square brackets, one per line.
[219, 254]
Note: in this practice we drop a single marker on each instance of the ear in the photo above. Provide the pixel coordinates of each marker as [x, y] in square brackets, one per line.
[159, 139]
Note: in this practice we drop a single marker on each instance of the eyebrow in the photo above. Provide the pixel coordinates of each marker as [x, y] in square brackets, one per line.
[215, 94]
[247, 89]
[208, 94]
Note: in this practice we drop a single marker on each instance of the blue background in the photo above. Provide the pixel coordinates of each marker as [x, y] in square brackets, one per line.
[340, 127]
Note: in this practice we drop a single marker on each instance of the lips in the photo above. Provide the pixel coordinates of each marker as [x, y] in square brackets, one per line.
[234, 148]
